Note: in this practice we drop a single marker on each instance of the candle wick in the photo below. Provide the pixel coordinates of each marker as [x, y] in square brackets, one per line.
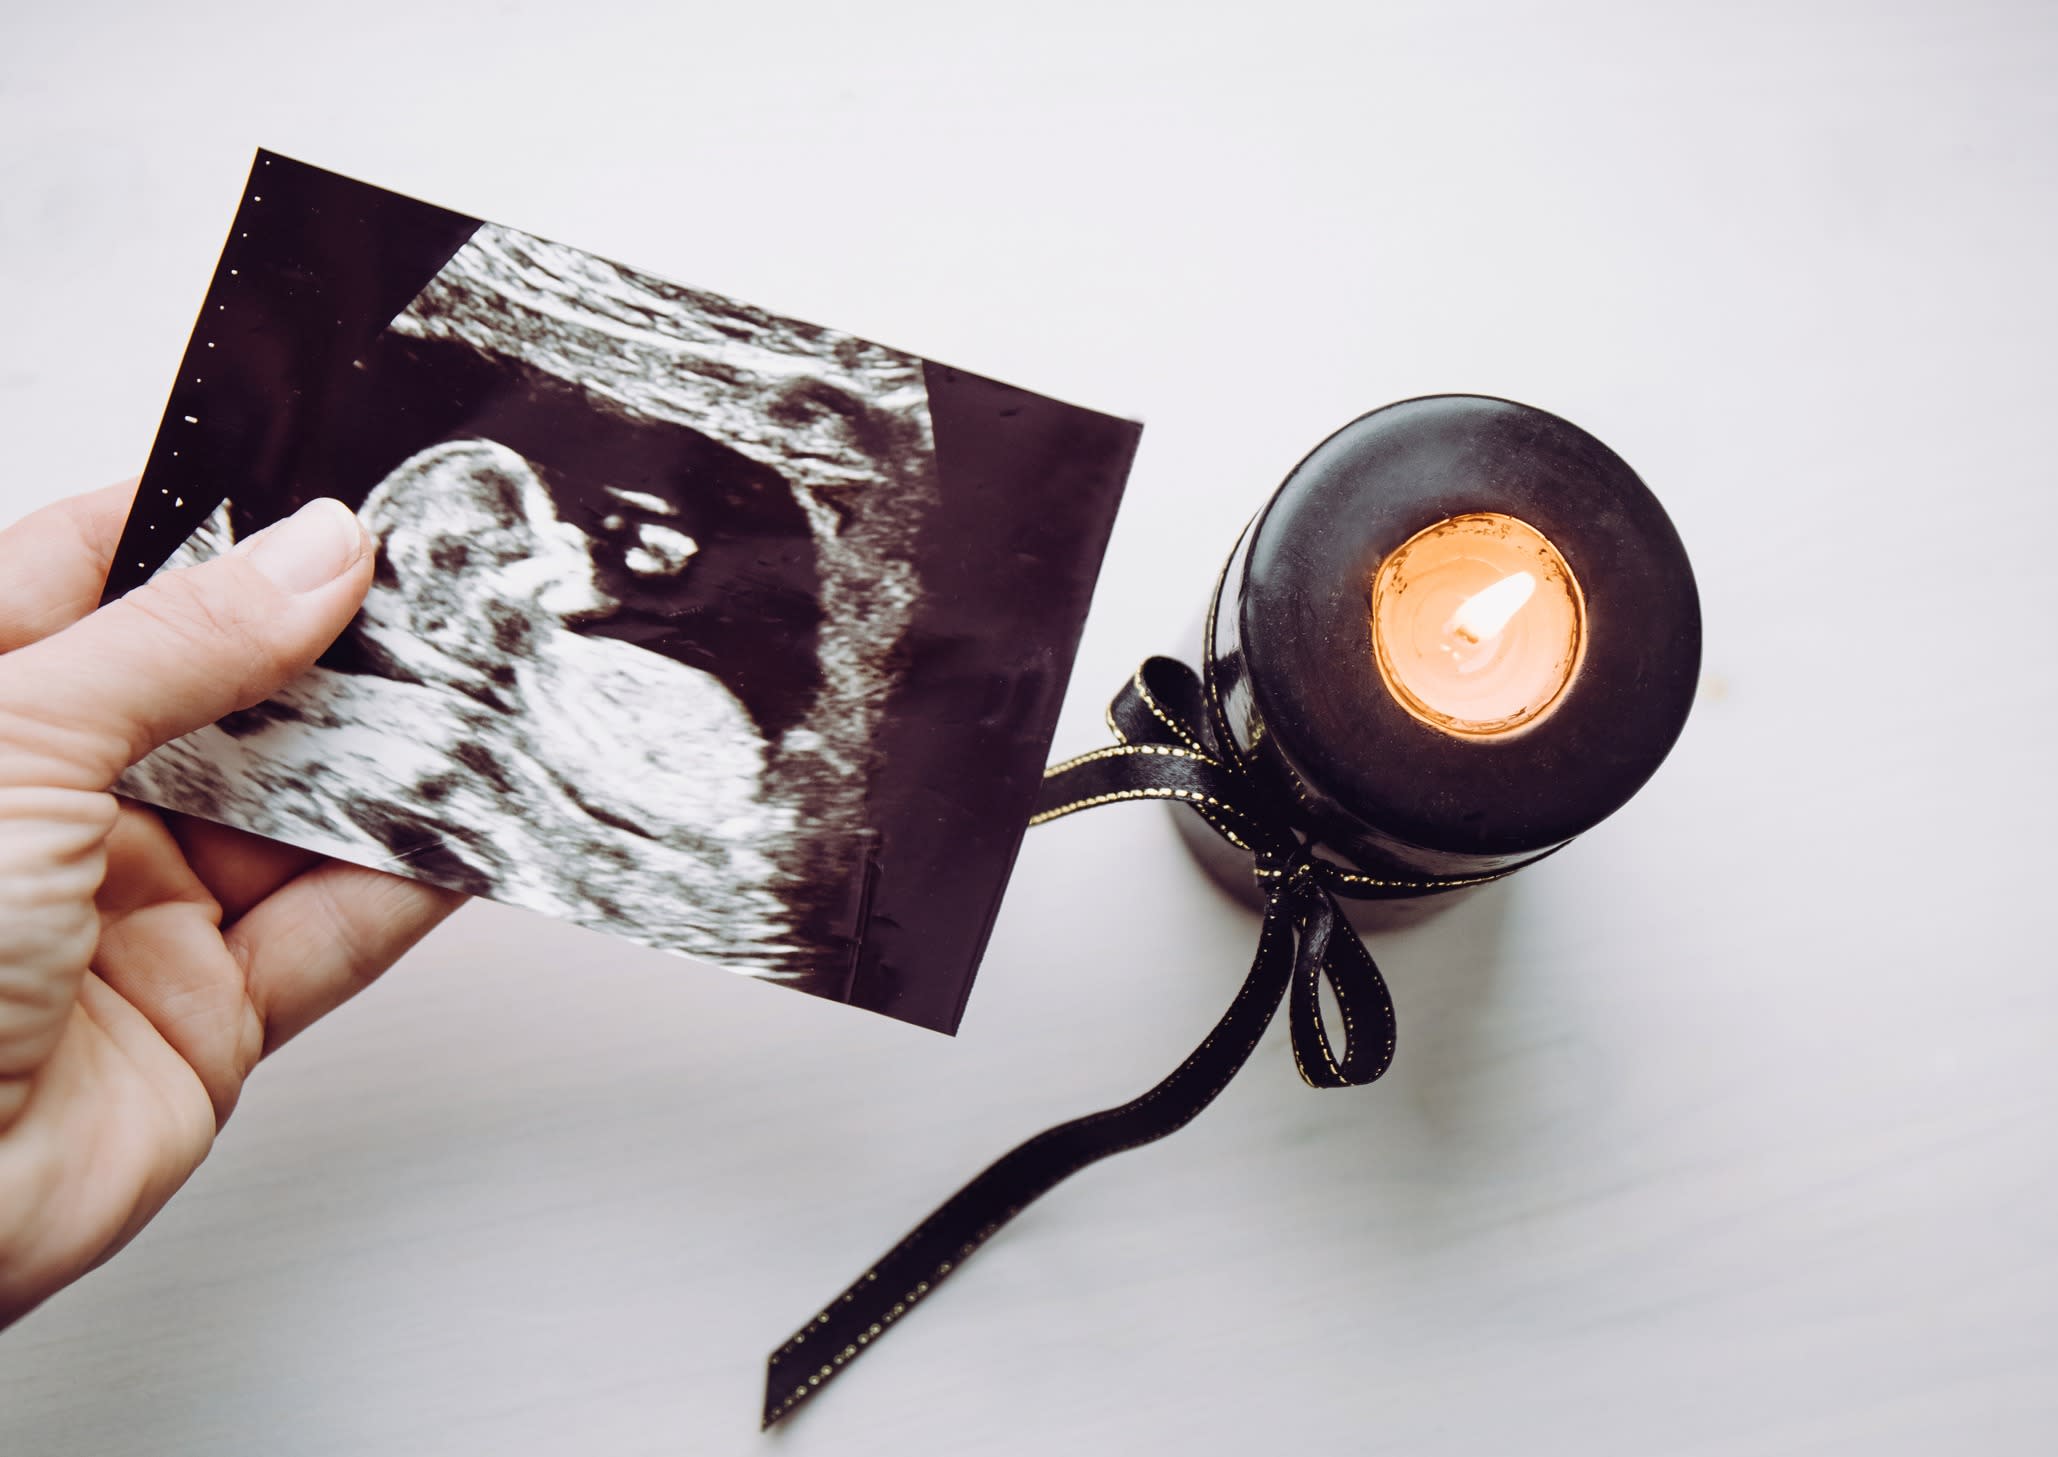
[1487, 611]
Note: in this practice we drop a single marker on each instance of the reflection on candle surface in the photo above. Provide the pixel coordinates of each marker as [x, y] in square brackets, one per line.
[1477, 625]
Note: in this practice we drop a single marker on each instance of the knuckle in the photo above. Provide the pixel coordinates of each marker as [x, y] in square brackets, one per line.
[196, 611]
[53, 858]
[348, 936]
[214, 614]
[38, 746]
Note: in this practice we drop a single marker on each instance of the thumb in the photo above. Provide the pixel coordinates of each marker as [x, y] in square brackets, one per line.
[186, 647]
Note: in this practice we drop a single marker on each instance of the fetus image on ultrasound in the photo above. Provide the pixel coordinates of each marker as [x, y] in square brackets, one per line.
[641, 574]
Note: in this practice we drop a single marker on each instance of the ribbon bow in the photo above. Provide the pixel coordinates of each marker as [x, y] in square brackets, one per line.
[1172, 745]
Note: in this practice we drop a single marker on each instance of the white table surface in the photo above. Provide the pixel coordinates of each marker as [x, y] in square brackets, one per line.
[1730, 1130]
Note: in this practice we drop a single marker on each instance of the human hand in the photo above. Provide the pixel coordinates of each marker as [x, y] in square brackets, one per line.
[148, 961]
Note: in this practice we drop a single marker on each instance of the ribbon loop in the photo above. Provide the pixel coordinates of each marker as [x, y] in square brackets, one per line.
[1331, 951]
[1163, 703]
[1169, 746]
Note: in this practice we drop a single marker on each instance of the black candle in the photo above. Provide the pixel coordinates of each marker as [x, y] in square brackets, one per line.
[1461, 632]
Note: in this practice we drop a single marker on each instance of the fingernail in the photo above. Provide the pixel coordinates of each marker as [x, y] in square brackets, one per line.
[310, 548]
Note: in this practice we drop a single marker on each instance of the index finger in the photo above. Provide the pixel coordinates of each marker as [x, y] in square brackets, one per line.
[53, 563]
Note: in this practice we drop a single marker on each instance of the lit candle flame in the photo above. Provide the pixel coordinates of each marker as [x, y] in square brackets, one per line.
[1486, 612]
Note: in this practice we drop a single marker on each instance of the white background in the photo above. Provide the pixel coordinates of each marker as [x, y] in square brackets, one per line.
[1729, 1130]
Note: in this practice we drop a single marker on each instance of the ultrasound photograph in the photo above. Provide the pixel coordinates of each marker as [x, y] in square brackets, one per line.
[713, 630]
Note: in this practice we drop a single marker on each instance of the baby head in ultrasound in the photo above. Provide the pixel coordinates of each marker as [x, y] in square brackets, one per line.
[475, 569]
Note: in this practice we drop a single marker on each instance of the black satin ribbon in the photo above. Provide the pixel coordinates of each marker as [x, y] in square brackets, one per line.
[1171, 746]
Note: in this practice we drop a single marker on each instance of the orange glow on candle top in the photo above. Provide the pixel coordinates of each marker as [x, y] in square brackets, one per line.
[1477, 624]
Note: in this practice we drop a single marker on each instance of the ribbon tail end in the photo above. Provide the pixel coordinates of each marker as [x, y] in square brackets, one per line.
[774, 1409]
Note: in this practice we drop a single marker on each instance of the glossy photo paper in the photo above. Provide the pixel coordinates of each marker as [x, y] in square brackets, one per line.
[714, 630]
